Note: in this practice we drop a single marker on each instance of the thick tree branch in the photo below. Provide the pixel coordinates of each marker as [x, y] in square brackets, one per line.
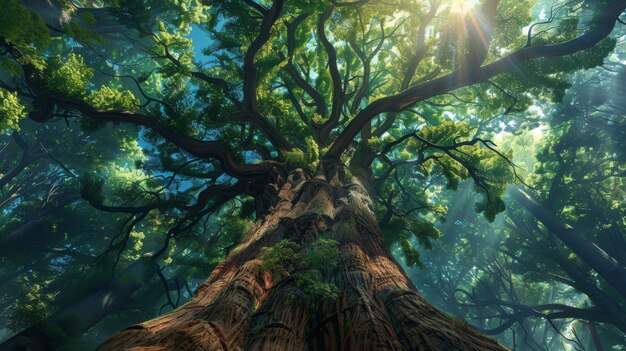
[413, 62]
[606, 20]
[338, 93]
[250, 106]
[318, 99]
[206, 149]
[200, 148]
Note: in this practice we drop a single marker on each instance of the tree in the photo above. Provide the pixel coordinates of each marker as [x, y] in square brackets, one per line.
[516, 272]
[575, 183]
[48, 245]
[327, 121]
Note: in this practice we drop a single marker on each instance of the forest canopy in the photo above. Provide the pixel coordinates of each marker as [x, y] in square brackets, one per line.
[319, 174]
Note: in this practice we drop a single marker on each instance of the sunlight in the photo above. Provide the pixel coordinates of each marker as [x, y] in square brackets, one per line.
[463, 6]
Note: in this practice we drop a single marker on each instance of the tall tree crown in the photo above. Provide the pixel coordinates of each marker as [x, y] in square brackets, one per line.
[255, 88]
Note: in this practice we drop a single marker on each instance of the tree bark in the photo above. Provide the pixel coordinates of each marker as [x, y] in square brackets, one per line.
[241, 307]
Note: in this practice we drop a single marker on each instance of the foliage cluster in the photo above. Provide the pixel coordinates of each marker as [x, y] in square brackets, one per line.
[308, 265]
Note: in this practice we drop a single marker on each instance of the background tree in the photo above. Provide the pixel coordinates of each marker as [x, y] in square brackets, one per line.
[325, 131]
[516, 272]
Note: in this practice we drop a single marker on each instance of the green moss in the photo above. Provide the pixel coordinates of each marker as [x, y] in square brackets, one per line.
[410, 253]
[306, 265]
[312, 284]
[281, 259]
[401, 230]
[322, 255]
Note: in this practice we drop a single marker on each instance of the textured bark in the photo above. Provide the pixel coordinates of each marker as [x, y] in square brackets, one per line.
[240, 307]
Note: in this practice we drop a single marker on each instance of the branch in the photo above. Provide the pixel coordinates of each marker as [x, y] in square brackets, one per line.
[27, 158]
[462, 78]
[350, 3]
[222, 191]
[249, 106]
[260, 8]
[414, 61]
[218, 82]
[420, 50]
[251, 75]
[338, 94]
[167, 290]
[64, 167]
[554, 11]
[205, 149]
[200, 148]
[562, 312]
[291, 69]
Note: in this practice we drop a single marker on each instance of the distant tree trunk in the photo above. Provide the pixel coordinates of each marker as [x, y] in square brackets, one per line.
[595, 336]
[80, 316]
[241, 308]
[606, 266]
[579, 280]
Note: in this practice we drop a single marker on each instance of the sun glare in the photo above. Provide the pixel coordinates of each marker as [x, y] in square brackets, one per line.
[463, 6]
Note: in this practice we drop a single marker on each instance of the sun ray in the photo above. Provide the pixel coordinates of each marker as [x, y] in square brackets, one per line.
[463, 6]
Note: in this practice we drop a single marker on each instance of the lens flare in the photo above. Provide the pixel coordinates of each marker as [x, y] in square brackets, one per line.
[463, 6]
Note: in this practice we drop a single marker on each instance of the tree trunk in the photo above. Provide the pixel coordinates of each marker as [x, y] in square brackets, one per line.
[595, 336]
[240, 307]
[579, 280]
[606, 266]
[80, 316]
